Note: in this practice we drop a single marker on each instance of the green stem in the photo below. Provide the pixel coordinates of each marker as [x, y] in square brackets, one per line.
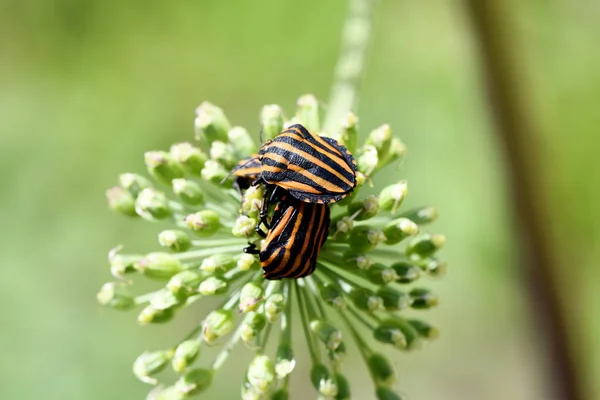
[349, 68]
[312, 348]
[191, 255]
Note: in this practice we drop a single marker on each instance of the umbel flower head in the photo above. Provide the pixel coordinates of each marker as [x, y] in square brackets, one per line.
[367, 276]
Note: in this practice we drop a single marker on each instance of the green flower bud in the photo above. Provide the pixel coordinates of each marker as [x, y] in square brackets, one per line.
[152, 315]
[381, 139]
[271, 120]
[406, 272]
[162, 166]
[216, 325]
[367, 159]
[392, 197]
[280, 394]
[150, 363]
[252, 201]
[213, 286]
[399, 229]
[224, 153]
[186, 282]
[246, 261]
[121, 201]
[159, 266]
[191, 157]
[218, 262]
[115, 295]
[194, 382]
[164, 299]
[261, 373]
[189, 192]
[396, 152]
[421, 216]
[152, 205]
[251, 297]
[382, 370]
[364, 238]
[424, 329]
[185, 354]
[241, 141]
[174, 240]
[365, 299]
[343, 387]
[214, 172]
[321, 380]
[204, 223]
[423, 298]
[286, 362]
[425, 245]
[393, 299]
[274, 306]
[308, 112]
[244, 226]
[252, 325]
[433, 266]
[164, 393]
[390, 334]
[385, 393]
[134, 183]
[349, 132]
[338, 355]
[211, 123]
[343, 225]
[366, 209]
[380, 274]
[327, 333]
[332, 296]
[249, 392]
[121, 265]
[388, 329]
[361, 261]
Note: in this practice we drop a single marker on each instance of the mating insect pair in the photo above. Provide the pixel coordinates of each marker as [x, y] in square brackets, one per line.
[303, 173]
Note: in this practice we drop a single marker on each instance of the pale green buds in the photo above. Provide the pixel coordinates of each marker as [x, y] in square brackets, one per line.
[218, 262]
[121, 201]
[194, 382]
[285, 362]
[159, 266]
[191, 157]
[152, 205]
[349, 132]
[390, 334]
[115, 295]
[174, 240]
[399, 229]
[121, 265]
[368, 208]
[343, 387]
[392, 197]
[396, 152]
[343, 225]
[134, 183]
[280, 394]
[338, 355]
[252, 201]
[251, 297]
[164, 299]
[380, 274]
[242, 142]
[433, 266]
[252, 325]
[423, 298]
[244, 226]
[381, 139]
[153, 315]
[204, 223]
[163, 167]
[271, 121]
[425, 245]
[214, 172]
[223, 153]
[216, 325]
[261, 373]
[212, 286]
[367, 159]
[425, 330]
[150, 363]
[185, 354]
[327, 333]
[189, 192]
[307, 112]
[321, 380]
[393, 299]
[385, 393]
[358, 260]
[274, 306]
[364, 299]
[332, 296]
[422, 215]
[365, 238]
[381, 369]
[406, 272]
[211, 123]
[246, 261]
[185, 282]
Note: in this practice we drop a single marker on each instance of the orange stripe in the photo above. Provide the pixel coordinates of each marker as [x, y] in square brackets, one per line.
[299, 186]
[330, 187]
[341, 160]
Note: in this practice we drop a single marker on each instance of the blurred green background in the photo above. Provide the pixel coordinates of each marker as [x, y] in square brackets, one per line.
[87, 86]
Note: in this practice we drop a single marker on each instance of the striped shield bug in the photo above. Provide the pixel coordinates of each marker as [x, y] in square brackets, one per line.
[292, 245]
[311, 168]
[246, 171]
